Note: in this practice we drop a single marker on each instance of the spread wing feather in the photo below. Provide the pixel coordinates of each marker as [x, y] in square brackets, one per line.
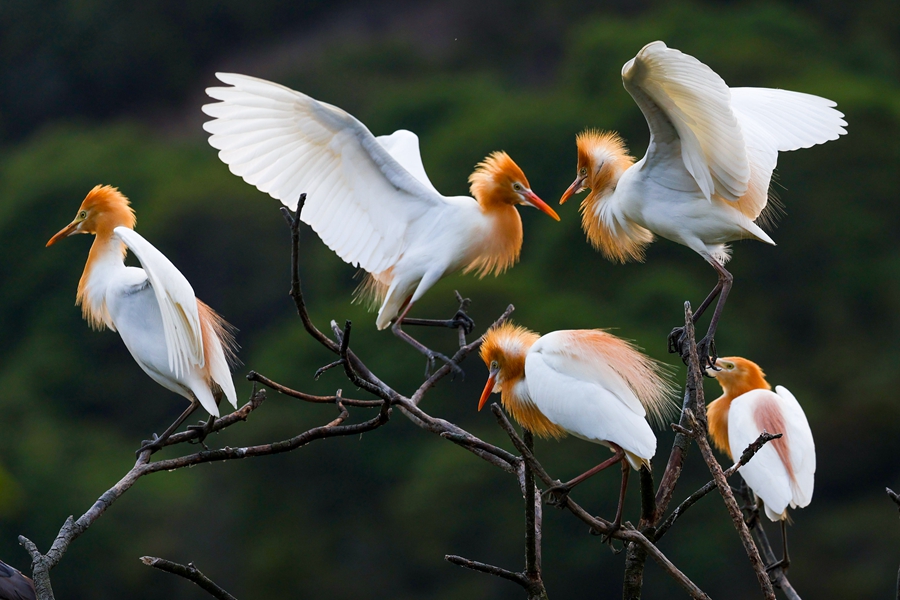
[177, 303]
[682, 97]
[358, 187]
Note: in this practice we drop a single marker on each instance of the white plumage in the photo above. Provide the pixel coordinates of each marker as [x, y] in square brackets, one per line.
[777, 483]
[368, 198]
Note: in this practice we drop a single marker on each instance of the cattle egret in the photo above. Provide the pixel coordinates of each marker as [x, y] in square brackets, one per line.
[14, 585]
[585, 382]
[368, 197]
[179, 341]
[705, 178]
[781, 473]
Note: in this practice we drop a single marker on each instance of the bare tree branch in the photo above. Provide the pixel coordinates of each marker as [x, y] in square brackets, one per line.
[189, 572]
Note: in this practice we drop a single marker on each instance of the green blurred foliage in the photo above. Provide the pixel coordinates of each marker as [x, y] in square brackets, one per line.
[372, 517]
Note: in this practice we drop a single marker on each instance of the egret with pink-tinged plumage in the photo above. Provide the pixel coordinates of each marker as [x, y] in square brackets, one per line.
[587, 383]
[782, 473]
[704, 181]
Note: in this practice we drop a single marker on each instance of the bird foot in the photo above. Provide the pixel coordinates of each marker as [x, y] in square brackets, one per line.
[462, 321]
[557, 495]
[606, 538]
[153, 445]
[706, 349]
[782, 564]
[203, 429]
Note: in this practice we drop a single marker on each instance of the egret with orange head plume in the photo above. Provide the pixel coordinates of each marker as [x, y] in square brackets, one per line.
[587, 383]
[704, 180]
[179, 341]
[368, 197]
[782, 473]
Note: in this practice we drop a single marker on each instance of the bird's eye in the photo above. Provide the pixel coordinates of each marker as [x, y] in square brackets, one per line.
[729, 366]
[517, 187]
[82, 214]
[494, 365]
[583, 171]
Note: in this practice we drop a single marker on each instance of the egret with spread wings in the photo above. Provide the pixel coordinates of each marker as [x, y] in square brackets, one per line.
[368, 197]
[587, 383]
[179, 341]
[704, 181]
[782, 473]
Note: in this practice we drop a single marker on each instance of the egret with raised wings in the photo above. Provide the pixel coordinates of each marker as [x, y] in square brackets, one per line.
[179, 341]
[704, 181]
[587, 383]
[781, 474]
[368, 197]
[14, 585]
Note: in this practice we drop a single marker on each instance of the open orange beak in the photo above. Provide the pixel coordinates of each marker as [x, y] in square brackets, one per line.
[70, 229]
[539, 204]
[576, 187]
[488, 388]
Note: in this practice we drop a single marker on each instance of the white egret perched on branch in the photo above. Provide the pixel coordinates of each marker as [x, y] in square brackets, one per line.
[782, 473]
[179, 341]
[587, 383]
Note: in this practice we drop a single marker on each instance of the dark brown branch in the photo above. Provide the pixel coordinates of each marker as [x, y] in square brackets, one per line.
[489, 569]
[272, 385]
[697, 424]
[189, 572]
[777, 575]
[597, 525]
[748, 453]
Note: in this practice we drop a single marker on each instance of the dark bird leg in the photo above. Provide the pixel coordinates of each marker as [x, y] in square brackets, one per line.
[459, 321]
[206, 427]
[422, 348]
[785, 561]
[617, 523]
[156, 442]
[706, 347]
[556, 495]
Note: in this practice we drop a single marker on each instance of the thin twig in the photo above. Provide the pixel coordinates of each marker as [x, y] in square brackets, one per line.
[189, 572]
[748, 453]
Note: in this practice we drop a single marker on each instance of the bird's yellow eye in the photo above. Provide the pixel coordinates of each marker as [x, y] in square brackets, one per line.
[729, 366]
[582, 171]
[82, 214]
[517, 187]
[494, 365]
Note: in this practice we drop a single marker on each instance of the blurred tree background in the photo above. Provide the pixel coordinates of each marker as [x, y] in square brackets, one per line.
[109, 91]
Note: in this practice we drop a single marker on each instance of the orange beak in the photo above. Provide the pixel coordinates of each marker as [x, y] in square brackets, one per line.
[488, 388]
[70, 229]
[576, 187]
[539, 204]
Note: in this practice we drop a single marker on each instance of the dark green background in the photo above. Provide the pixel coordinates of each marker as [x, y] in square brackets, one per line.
[108, 91]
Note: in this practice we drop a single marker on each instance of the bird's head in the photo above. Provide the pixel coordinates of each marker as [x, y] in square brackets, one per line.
[499, 180]
[503, 351]
[602, 158]
[738, 375]
[103, 209]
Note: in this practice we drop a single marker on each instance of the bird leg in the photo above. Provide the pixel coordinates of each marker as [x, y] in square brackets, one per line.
[155, 443]
[556, 495]
[422, 348]
[205, 427]
[706, 347]
[785, 561]
[617, 522]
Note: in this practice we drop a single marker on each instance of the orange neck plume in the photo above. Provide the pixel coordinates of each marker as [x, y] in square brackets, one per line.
[508, 345]
[491, 184]
[604, 158]
[744, 377]
[106, 209]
